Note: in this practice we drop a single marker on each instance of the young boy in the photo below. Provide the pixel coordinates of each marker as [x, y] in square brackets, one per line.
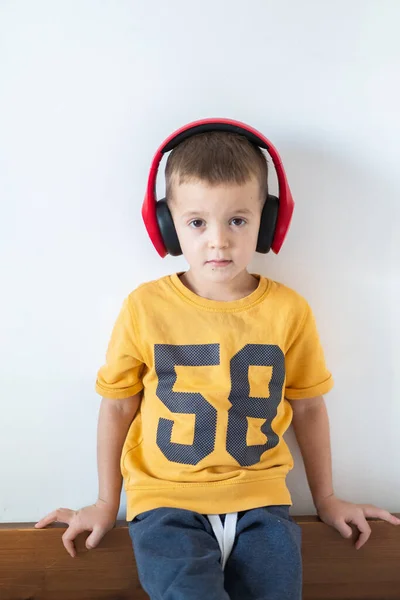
[205, 371]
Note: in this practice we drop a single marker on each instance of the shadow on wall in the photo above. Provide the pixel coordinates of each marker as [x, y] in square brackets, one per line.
[342, 254]
[345, 215]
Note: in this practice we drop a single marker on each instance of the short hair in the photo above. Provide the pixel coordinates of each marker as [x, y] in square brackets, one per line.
[216, 157]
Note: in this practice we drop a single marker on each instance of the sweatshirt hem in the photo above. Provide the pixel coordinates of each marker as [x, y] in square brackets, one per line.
[236, 497]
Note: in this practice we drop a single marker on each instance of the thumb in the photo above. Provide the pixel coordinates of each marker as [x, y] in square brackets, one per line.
[95, 537]
[344, 529]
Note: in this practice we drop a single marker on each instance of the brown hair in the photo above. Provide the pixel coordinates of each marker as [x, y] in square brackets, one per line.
[216, 157]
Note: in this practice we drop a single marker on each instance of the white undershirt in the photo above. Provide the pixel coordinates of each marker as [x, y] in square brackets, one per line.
[225, 534]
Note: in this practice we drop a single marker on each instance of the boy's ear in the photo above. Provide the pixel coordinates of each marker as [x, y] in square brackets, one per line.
[269, 217]
[167, 228]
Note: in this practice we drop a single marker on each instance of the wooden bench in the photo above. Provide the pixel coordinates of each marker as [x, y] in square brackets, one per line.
[35, 566]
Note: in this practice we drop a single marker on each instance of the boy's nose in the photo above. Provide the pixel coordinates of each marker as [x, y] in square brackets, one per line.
[218, 238]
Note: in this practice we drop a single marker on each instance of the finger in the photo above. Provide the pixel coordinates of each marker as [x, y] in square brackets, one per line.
[95, 537]
[50, 518]
[343, 528]
[61, 515]
[68, 539]
[374, 512]
[392, 519]
[365, 530]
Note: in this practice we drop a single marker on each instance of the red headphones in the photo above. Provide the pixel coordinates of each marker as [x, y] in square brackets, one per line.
[277, 212]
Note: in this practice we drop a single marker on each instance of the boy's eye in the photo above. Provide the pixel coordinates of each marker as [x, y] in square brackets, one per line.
[238, 222]
[196, 223]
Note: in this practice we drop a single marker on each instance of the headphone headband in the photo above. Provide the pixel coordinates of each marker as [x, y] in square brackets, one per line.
[286, 203]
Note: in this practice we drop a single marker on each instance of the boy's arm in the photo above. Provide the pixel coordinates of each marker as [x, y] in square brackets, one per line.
[311, 427]
[115, 417]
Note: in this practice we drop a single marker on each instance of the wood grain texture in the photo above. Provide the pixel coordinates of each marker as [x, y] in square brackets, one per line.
[35, 566]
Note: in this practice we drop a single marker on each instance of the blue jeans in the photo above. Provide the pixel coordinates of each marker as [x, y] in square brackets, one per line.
[178, 556]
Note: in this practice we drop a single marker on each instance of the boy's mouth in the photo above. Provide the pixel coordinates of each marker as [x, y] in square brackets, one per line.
[219, 263]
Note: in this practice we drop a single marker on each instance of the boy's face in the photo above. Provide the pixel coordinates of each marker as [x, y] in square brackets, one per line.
[217, 227]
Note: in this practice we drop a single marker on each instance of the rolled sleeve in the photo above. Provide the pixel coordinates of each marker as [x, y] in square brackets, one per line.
[121, 375]
[307, 375]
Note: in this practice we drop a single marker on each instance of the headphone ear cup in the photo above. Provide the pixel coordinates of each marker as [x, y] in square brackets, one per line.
[167, 228]
[269, 217]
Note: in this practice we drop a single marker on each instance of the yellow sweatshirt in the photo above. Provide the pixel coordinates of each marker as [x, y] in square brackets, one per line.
[208, 436]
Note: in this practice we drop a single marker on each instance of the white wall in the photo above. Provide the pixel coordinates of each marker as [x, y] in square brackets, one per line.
[88, 91]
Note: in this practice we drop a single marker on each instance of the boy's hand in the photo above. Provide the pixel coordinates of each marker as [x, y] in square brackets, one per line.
[338, 514]
[98, 518]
